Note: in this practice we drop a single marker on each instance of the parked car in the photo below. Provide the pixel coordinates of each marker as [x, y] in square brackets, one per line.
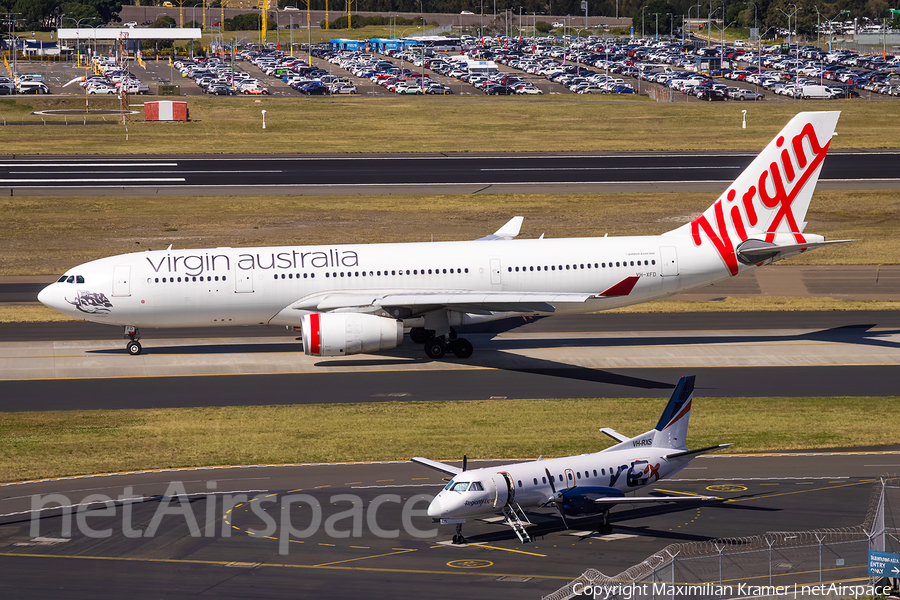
[711, 95]
[742, 94]
[32, 87]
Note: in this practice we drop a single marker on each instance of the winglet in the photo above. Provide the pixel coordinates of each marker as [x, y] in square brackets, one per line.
[509, 231]
[623, 288]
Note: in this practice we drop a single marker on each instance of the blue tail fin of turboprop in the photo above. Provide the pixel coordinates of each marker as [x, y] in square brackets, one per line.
[672, 426]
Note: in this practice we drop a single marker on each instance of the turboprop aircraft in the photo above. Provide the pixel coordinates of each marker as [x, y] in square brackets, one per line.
[350, 299]
[587, 484]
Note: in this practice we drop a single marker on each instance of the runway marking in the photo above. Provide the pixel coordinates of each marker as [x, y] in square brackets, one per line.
[864, 482]
[642, 168]
[319, 487]
[223, 563]
[381, 480]
[112, 165]
[130, 179]
[676, 492]
[508, 550]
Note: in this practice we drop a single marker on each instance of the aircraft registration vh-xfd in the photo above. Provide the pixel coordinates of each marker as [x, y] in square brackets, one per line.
[587, 484]
[350, 299]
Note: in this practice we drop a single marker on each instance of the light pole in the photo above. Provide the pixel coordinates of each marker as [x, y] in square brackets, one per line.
[642, 21]
[754, 17]
[831, 27]
[657, 25]
[671, 25]
[796, 67]
[78, 33]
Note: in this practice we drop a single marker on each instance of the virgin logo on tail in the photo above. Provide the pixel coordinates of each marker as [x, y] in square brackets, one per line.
[767, 193]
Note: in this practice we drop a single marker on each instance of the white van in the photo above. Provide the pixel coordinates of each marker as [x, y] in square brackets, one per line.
[816, 92]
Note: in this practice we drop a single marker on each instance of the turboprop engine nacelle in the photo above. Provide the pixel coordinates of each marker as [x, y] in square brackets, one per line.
[339, 334]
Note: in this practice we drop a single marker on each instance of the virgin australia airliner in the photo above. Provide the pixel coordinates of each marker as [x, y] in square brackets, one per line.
[351, 299]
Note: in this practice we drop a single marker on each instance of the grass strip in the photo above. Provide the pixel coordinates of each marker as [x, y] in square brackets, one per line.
[36, 445]
[552, 123]
[48, 235]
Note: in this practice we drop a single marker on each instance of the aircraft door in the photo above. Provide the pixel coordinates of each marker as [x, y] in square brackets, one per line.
[121, 280]
[501, 489]
[570, 478]
[495, 272]
[668, 260]
[243, 280]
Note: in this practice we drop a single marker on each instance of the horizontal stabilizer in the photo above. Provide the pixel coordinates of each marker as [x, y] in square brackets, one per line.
[696, 452]
[507, 232]
[651, 499]
[623, 288]
[753, 251]
[437, 466]
[614, 434]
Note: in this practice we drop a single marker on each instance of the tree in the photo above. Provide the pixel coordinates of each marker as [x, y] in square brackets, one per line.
[542, 27]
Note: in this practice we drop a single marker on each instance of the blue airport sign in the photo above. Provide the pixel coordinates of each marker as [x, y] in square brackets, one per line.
[884, 564]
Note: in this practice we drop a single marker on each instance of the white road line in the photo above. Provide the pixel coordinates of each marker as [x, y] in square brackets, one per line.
[155, 172]
[130, 180]
[168, 164]
[650, 168]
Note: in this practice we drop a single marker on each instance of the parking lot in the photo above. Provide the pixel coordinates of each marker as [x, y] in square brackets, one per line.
[587, 66]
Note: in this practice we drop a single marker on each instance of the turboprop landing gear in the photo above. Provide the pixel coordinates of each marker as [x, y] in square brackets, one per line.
[458, 536]
[604, 528]
[133, 334]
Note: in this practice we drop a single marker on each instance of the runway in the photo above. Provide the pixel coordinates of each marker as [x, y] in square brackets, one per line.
[751, 354]
[413, 174]
[236, 552]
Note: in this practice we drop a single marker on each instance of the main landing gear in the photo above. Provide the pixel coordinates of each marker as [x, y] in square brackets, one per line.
[604, 528]
[436, 346]
[133, 334]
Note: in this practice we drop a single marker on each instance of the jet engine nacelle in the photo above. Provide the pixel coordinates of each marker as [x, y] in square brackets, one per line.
[339, 334]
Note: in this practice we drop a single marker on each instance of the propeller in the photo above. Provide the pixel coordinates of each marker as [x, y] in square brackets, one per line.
[557, 498]
[465, 460]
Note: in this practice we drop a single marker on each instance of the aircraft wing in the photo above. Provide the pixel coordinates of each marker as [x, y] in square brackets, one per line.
[437, 466]
[462, 300]
[509, 231]
[609, 501]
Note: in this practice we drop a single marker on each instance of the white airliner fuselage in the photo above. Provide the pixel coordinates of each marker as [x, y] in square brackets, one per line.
[348, 299]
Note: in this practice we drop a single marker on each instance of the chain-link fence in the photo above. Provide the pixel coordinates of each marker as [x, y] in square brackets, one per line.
[774, 564]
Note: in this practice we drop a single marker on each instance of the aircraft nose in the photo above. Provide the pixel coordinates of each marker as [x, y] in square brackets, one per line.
[435, 509]
[45, 296]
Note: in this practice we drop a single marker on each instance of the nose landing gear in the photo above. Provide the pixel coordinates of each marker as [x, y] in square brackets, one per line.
[133, 334]
[458, 536]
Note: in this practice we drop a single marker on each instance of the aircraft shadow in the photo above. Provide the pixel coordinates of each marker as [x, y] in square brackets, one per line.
[208, 349]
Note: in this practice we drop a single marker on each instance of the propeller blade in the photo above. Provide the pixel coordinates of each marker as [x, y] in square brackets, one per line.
[465, 460]
[562, 515]
[550, 479]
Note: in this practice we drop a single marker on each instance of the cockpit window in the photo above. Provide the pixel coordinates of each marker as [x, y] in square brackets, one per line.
[476, 487]
[61, 279]
[461, 486]
[450, 485]
[79, 279]
[70, 279]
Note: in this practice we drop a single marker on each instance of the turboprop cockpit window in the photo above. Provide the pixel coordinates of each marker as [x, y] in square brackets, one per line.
[460, 486]
[61, 279]
[70, 279]
[79, 279]
[475, 486]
